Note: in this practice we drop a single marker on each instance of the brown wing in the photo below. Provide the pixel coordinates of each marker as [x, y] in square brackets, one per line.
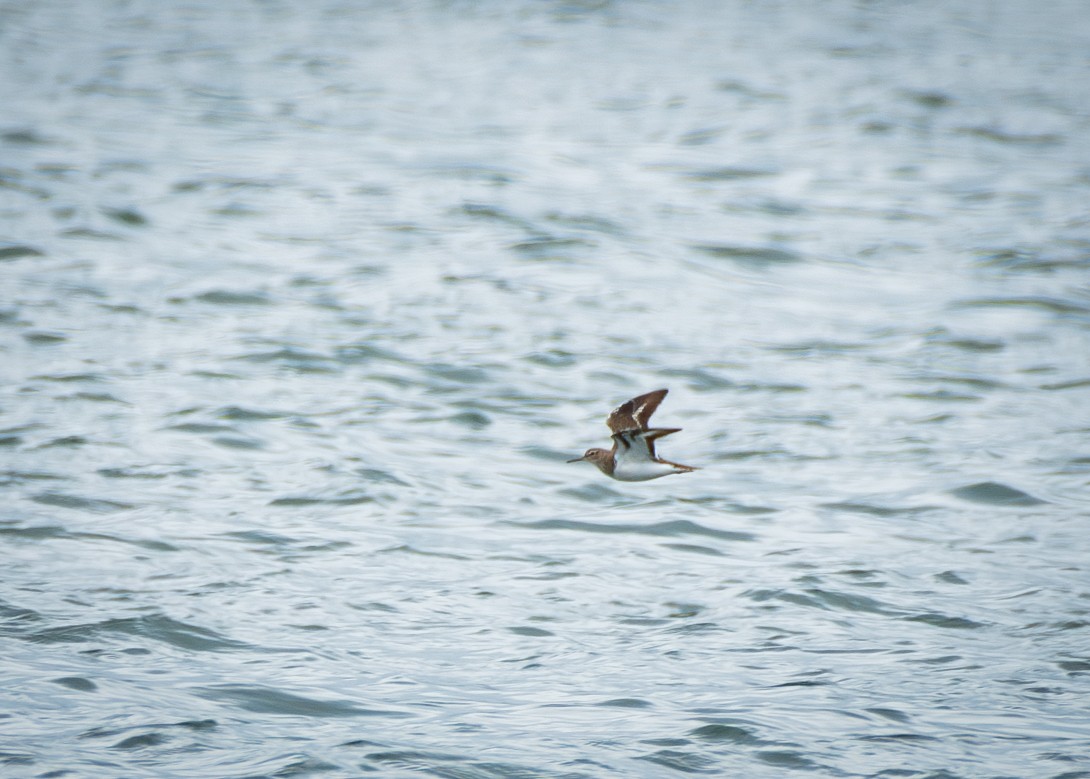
[634, 414]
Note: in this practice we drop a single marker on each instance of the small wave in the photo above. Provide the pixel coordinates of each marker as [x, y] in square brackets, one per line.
[268, 700]
[672, 528]
[995, 494]
[157, 627]
[222, 297]
[684, 762]
[79, 503]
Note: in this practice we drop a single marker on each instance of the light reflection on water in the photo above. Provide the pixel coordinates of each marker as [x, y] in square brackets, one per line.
[306, 306]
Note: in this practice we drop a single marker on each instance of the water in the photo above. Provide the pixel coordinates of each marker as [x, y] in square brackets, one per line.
[304, 307]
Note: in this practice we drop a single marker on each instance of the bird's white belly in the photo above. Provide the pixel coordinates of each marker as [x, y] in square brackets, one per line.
[641, 470]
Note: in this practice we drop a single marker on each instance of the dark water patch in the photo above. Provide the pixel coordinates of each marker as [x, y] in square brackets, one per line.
[973, 382]
[552, 358]
[352, 498]
[701, 379]
[35, 532]
[141, 741]
[17, 614]
[238, 442]
[666, 742]
[945, 621]
[495, 213]
[816, 347]
[752, 255]
[801, 683]
[294, 359]
[374, 606]
[123, 308]
[223, 297]
[237, 210]
[625, 703]
[203, 374]
[848, 601]
[972, 344]
[786, 759]
[157, 627]
[44, 338]
[897, 738]
[76, 683]
[1066, 385]
[1075, 667]
[225, 183]
[1006, 137]
[721, 732]
[520, 630]
[460, 374]
[201, 427]
[149, 544]
[91, 234]
[697, 628]
[878, 511]
[96, 397]
[949, 577]
[19, 758]
[363, 353]
[670, 529]
[942, 396]
[683, 762]
[471, 171]
[716, 501]
[8, 478]
[699, 137]
[551, 247]
[236, 413]
[126, 216]
[695, 549]
[68, 441]
[739, 87]
[728, 174]
[995, 494]
[412, 550]
[548, 576]
[70, 378]
[379, 475]
[1034, 261]
[1047, 304]
[26, 136]
[767, 205]
[79, 503]
[474, 420]
[586, 222]
[890, 714]
[823, 599]
[646, 622]
[261, 537]
[592, 493]
[150, 472]
[269, 700]
[448, 766]
[929, 99]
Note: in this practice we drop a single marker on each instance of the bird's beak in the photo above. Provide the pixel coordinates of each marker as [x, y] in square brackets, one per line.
[578, 459]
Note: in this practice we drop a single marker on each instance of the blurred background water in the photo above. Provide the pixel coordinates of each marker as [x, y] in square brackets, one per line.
[305, 305]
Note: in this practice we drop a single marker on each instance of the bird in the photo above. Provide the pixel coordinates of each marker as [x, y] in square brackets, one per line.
[633, 457]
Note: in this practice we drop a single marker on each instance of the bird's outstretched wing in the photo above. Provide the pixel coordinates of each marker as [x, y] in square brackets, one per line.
[634, 414]
[639, 445]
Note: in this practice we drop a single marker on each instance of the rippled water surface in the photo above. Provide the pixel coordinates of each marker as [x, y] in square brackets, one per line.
[305, 306]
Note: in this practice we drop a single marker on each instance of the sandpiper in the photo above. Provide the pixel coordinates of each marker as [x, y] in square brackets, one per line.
[633, 457]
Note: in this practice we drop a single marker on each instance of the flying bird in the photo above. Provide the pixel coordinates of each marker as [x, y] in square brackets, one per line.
[633, 457]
